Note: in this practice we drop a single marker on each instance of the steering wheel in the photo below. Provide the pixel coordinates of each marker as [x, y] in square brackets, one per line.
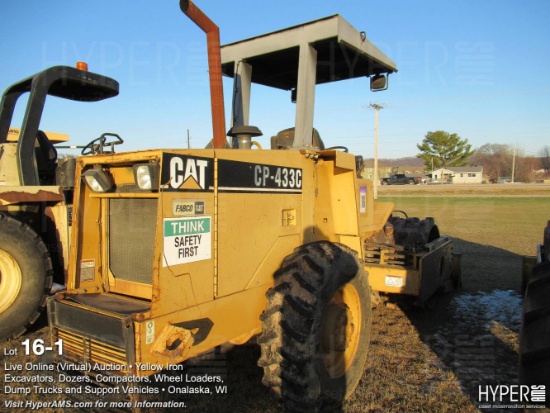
[402, 212]
[97, 145]
[339, 148]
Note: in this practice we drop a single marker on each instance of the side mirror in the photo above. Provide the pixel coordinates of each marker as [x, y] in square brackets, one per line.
[378, 83]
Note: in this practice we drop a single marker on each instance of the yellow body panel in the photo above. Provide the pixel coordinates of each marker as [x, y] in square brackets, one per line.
[396, 280]
[54, 137]
[195, 258]
[252, 237]
[253, 208]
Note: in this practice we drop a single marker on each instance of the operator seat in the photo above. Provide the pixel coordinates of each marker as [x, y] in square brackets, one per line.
[46, 159]
[285, 138]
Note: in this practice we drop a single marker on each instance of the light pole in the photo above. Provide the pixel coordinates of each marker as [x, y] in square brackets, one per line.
[375, 177]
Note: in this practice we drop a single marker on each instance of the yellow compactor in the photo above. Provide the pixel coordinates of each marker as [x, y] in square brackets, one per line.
[175, 252]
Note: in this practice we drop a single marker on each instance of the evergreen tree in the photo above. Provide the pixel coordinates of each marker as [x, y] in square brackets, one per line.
[444, 150]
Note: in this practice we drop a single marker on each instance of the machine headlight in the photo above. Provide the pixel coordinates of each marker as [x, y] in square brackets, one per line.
[146, 176]
[98, 180]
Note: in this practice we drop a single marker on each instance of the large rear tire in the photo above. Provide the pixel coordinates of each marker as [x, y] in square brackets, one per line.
[25, 277]
[316, 328]
[534, 341]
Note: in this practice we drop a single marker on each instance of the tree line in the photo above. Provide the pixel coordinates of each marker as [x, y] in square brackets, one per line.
[441, 149]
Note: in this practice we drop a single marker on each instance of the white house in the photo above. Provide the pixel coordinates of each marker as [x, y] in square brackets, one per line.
[459, 174]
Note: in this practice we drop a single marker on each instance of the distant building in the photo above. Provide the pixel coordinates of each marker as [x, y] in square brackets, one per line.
[368, 170]
[459, 174]
[385, 169]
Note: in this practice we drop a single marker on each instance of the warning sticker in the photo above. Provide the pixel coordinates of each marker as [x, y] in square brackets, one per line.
[187, 240]
[362, 199]
[87, 270]
[395, 281]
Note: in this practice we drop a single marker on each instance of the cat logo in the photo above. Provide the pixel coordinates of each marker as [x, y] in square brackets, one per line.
[185, 173]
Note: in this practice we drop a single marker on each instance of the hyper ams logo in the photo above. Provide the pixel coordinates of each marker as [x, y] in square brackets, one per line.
[506, 396]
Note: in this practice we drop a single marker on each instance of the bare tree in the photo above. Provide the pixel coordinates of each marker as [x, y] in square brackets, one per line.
[526, 168]
[495, 158]
[545, 158]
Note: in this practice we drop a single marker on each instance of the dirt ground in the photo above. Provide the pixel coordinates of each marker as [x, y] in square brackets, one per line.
[420, 359]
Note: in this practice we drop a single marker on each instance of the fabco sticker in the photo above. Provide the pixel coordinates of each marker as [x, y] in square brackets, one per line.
[187, 173]
[187, 207]
[187, 240]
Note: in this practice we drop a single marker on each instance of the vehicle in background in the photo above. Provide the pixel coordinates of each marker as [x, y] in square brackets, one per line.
[400, 179]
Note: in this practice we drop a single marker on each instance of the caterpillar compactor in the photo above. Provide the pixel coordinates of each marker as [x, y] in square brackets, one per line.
[36, 193]
[178, 251]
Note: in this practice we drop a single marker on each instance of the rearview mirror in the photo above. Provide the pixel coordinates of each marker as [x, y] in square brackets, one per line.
[378, 83]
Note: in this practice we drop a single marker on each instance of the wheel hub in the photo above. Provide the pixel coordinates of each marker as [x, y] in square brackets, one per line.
[10, 280]
[341, 331]
[338, 328]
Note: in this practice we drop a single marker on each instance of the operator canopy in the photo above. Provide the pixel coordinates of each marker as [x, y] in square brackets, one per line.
[60, 81]
[342, 53]
[298, 59]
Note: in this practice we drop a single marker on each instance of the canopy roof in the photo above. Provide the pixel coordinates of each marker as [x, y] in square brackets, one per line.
[342, 53]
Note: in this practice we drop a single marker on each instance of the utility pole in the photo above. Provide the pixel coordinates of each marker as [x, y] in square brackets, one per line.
[188, 140]
[514, 164]
[375, 177]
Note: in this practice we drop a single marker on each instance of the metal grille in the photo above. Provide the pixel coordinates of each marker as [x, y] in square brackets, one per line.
[78, 348]
[385, 254]
[132, 223]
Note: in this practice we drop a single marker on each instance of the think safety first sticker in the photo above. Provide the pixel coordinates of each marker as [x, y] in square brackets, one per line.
[187, 240]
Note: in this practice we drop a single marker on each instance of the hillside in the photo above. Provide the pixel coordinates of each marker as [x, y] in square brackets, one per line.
[407, 161]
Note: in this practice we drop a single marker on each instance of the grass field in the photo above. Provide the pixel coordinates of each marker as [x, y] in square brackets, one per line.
[434, 360]
[492, 233]
[420, 359]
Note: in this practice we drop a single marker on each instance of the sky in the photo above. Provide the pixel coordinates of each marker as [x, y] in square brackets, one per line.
[477, 68]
